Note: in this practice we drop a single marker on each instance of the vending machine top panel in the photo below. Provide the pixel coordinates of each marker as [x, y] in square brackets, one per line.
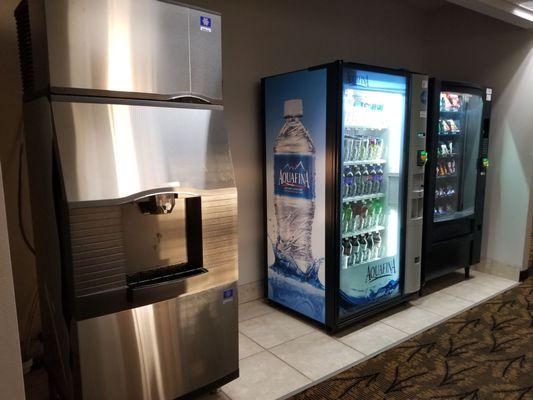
[127, 48]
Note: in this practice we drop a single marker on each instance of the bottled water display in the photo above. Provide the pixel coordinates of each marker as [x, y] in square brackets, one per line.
[373, 126]
[294, 195]
[333, 190]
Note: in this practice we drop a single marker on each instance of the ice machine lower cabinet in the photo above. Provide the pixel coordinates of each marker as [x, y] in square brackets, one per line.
[160, 351]
[372, 186]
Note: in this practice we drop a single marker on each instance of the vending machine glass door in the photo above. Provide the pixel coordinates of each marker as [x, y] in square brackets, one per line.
[372, 187]
[457, 150]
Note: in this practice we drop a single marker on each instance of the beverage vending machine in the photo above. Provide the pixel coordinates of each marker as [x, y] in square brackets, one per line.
[458, 142]
[344, 173]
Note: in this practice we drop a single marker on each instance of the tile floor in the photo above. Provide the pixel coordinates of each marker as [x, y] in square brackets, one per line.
[281, 354]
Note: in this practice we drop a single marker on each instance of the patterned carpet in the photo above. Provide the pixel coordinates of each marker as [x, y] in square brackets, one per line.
[483, 353]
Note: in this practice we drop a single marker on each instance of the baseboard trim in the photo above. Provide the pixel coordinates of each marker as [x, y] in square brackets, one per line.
[525, 274]
[251, 291]
[496, 268]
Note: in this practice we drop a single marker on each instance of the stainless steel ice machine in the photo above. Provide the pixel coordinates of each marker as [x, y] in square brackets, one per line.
[133, 196]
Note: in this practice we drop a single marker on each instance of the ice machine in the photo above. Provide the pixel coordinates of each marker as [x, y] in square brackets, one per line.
[344, 148]
[133, 197]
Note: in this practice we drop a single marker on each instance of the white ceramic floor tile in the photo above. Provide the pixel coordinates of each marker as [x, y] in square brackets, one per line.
[374, 338]
[471, 291]
[254, 309]
[412, 320]
[247, 347]
[316, 354]
[264, 377]
[442, 304]
[274, 328]
[490, 280]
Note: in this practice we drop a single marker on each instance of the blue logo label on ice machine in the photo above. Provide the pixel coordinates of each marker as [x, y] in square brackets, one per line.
[205, 24]
[227, 296]
[294, 175]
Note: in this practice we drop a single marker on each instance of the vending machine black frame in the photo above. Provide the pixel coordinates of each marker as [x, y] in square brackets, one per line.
[453, 244]
[334, 136]
[333, 320]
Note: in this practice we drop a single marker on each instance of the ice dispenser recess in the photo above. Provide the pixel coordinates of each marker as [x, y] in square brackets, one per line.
[148, 246]
[163, 235]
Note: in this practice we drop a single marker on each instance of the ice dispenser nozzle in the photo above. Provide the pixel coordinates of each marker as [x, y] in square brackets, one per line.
[158, 203]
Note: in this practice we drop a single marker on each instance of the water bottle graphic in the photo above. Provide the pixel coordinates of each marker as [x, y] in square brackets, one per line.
[294, 191]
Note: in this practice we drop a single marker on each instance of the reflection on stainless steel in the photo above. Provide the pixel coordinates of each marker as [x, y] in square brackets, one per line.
[134, 202]
[109, 242]
[159, 351]
[111, 151]
[143, 46]
[156, 240]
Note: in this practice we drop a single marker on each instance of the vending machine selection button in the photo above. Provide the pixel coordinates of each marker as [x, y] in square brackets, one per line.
[422, 158]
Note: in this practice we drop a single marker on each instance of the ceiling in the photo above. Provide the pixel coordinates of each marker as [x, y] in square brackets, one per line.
[517, 12]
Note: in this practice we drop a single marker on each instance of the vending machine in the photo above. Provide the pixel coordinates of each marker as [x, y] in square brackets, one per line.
[458, 142]
[344, 173]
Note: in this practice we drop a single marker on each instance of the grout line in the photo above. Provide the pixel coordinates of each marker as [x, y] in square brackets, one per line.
[290, 366]
[470, 304]
[496, 292]
[334, 339]
[257, 316]
[441, 318]
[394, 343]
[225, 394]
[253, 341]
[282, 343]
[473, 278]
[366, 357]
[271, 310]
[293, 339]
[447, 315]
[409, 336]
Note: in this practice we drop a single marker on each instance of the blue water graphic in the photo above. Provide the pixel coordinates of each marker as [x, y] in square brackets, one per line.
[301, 291]
[389, 290]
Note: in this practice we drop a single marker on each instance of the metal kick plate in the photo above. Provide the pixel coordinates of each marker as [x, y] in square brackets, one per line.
[160, 351]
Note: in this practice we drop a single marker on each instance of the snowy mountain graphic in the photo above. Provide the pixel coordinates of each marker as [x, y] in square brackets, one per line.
[298, 167]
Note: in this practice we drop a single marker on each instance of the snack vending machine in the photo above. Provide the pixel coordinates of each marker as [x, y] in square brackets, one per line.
[344, 174]
[458, 142]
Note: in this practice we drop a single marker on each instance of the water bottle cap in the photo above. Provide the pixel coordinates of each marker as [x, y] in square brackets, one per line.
[293, 108]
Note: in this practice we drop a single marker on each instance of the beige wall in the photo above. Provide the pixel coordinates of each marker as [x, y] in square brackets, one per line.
[262, 38]
[24, 274]
[11, 384]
